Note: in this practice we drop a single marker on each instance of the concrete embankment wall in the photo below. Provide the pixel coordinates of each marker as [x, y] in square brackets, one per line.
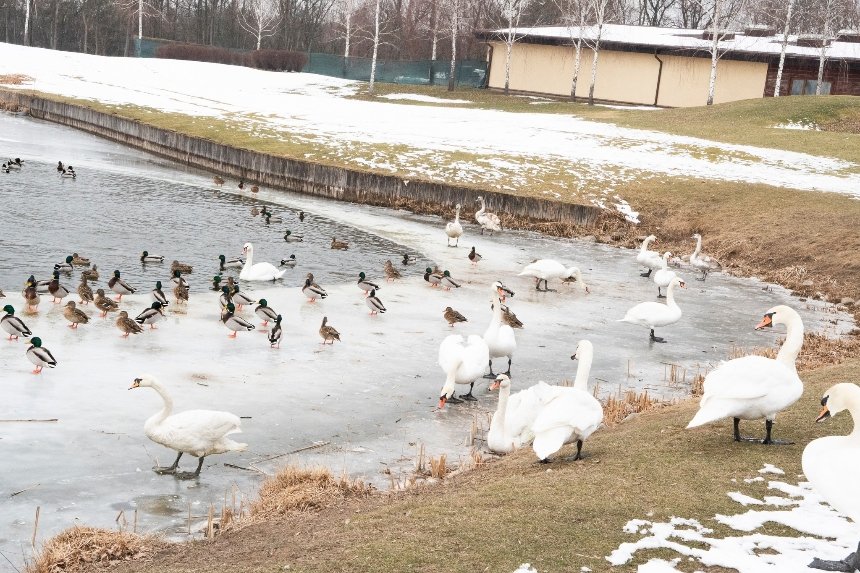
[299, 176]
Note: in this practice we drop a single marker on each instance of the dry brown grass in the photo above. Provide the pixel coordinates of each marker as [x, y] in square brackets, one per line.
[819, 350]
[617, 408]
[81, 548]
[15, 79]
[697, 387]
[439, 467]
[295, 489]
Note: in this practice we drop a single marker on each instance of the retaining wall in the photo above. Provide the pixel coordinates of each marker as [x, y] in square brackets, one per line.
[290, 174]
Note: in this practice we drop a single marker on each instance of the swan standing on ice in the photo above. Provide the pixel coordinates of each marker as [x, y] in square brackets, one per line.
[462, 361]
[655, 314]
[570, 417]
[832, 466]
[199, 433]
[487, 221]
[702, 263]
[663, 276]
[499, 337]
[545, 269]
[259, 271]
[753, 387]
[454, 229]
[653, 261]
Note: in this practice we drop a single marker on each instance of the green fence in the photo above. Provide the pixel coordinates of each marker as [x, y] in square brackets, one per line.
[469, 73]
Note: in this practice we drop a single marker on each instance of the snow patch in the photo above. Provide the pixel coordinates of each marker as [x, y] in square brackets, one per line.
[771, 469]
[805, 125]
[526, 568]
[625, 209]
[629, 107]
[752, 480]
[658, 566]
[424, 98]
[744, 499]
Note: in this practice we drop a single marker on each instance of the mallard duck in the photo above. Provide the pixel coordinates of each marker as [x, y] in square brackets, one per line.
[240, 299]
[328, 333]
[69, 173]
[339, 245]
[91, 274]
[365, 284]
[231, 284]
[226, 297]
[474, 256]
[39, 355]
[233, 322]
[302, 216]
[41, 286]
[374, 304]
[241, 184]
[58, 291]
[11, 165]
[1, 294]
[31, 295]
[60, 167]
[12, 324]
[145, 257]
[65, 266]
[103, 303]
[265, 312]
[181, 267]
[4, 169]
[254, 189]
[158, 294]
[312, 290]
[80, 261]
[126, 325]
[216, 283]
[453, 317]
[224, 264]
[254, 211]
[435, 279]
[291, 238]
[289, 262]
[18, 161]
[408, 259]
[276, 332]
[448, 282]
[218, 180]
[75, 316]
[509, 318]
[150, 315]
[390, 272]
[180, 293]
[84, 291]
[177, 279]
[119, 286]
[269, 219]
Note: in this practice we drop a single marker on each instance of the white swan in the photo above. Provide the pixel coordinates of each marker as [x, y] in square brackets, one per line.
[463, 363]
[454, 229]
[649, 259]
[753, 387]
[832, 465]
[510, 427]
[199, 433]
[700, 262]
[499, 337]
[663, 276]
[572, 416]
[260, 271]
[545, 269]
[487, 221]
[654, 314]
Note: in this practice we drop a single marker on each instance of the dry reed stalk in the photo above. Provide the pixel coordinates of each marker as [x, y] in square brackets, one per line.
[35, 527]
[294, 489]
[617, 408]
[420, 465]
[79, 548]
[697, 387]
[439, 467]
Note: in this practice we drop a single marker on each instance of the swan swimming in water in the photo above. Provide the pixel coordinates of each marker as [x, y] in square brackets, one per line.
[259, 271]
[199, 433]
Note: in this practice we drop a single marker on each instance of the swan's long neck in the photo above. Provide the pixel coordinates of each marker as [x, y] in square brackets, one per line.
[160, 416]
[698, 248]
[481, 210]
[670, 295]
[853, 408]
[249, 258]
[793, 342]
[450, 383]
[665, 262]
[457, 216]
[497, 313]
[582, 370]
[644, 247]
[502, 407]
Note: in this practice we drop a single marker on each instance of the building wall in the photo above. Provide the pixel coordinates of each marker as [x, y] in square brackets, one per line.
[844, 76]
[628, 77]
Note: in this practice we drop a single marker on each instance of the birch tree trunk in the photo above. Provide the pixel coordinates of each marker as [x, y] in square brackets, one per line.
[715, 45]
[349, 29]
[825, 32]
[577, 64]
[509, 47]
[375, 48]
[27, 22]
[594, 65]
[140, 20]
[434, 24]
[785, 31]
[454, 30]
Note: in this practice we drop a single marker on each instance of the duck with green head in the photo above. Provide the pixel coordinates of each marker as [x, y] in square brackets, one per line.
[158, 295]
[147, 258]
[39, 355]
[119, 286]
[233, 322]
[265, 312]
[13, 325]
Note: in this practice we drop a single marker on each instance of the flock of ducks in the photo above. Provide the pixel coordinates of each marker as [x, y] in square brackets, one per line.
[542, 416]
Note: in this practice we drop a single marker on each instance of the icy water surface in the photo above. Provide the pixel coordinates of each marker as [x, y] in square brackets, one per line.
[365, 403]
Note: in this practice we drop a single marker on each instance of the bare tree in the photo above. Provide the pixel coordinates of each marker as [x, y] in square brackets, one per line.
[655, 12]
[511, 12]
[723, 15]
[260, 18]
[785, 31]
[826, 31]
[375, 46]
[455, 31]
[574, 14]
[27, 22]
[598, 10]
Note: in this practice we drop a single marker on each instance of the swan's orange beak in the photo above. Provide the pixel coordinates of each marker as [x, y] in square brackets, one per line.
[766, 322]
[495, 385]
[823, 414]
[442, 400]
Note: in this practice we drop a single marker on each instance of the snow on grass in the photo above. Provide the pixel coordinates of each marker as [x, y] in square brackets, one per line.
[804, 125]
[629, 107]
[424, 98]
[526, 568]
[771, 469]
[821, 532]
[744, 499]
[318, 109]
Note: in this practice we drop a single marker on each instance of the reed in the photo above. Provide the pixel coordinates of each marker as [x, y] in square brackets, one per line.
[80, 548]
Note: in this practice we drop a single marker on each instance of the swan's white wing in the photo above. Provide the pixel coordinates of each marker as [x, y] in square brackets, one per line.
[543, 268]
[645, 311]
[572, 415]
[832, 465]
[747, 378]
[450, 352]
[195, 430]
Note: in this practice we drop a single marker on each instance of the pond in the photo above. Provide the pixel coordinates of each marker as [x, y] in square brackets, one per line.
[362, 406]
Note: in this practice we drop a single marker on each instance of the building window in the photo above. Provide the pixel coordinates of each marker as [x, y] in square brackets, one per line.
[807, 87]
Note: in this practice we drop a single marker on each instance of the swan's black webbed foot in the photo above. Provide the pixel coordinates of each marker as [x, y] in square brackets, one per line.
[849, 564]
[166, 470]
[646, 274]
[191, 475]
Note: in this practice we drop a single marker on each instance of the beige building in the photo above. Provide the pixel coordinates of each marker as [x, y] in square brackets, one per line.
[662, 66]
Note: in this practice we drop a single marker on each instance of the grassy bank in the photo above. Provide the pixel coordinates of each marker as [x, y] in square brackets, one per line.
[515, 510]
